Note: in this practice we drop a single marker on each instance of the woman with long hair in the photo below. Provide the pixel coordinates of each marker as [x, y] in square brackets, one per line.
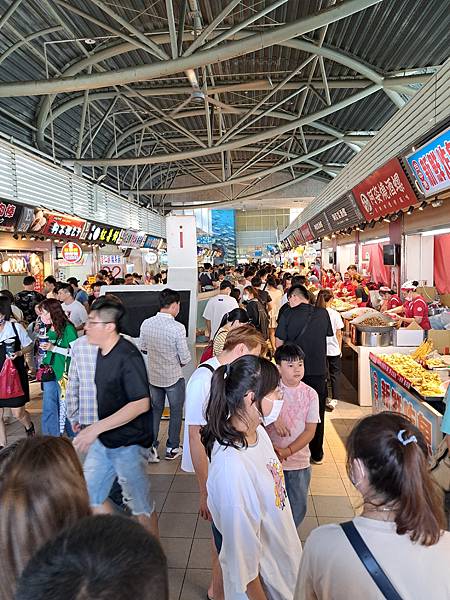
[259, 549]
[230, 320]
[42, 491]
[61, 333]
[276, 294]
[257, 313]
[402, 522]
[334, 347]
[14, 342]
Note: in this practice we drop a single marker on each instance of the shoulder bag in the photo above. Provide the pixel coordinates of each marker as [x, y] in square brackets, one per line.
[369, 561]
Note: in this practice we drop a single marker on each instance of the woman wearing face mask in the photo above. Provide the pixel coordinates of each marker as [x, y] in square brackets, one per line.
[259, 549]
[402, 522]
[61, 333]
[14, 341]
[414, 309]
[232, 319]
[96, 287]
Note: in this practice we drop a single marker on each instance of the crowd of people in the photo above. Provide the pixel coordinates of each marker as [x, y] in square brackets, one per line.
[254, 412]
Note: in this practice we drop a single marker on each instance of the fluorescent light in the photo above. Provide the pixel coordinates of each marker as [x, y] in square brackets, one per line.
[376, 241]
[436, 231]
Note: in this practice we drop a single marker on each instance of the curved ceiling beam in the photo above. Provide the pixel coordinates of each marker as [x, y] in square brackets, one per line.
[230, 50]
[233, 145]
[27, 39]
[243, 178]
[253, 196]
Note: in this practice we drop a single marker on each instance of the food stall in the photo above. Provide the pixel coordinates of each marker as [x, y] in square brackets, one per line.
[402, 384]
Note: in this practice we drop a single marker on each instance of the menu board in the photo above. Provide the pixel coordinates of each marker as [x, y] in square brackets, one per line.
[343, 213]
[430, 165]
[132, 239]
[9, 215]
[384, 192]
[153, 242]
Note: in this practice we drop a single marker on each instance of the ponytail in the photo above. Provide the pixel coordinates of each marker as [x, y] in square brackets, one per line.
[395, 456]
[229, 385]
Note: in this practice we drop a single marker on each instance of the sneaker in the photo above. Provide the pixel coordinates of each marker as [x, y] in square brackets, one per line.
[317, 462]
[153, 455]
[330, 404]
[173, 453]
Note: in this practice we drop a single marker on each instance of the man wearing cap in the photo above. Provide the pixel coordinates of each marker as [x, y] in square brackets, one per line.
[79, 293]
[414, 309]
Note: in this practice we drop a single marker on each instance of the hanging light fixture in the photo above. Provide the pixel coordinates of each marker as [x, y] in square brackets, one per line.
[423, 205]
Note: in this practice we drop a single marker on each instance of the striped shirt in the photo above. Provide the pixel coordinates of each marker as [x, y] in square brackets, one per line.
[81, 394]
[164, 340]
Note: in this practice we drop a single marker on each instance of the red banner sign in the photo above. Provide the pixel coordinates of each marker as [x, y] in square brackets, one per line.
[63, 225]
[306, 233]
[392, 373]
[384, 192]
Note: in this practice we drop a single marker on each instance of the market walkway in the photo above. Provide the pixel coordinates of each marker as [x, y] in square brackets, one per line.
[186, 538]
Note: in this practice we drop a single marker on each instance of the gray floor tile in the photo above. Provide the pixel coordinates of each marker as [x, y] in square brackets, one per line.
[175, 525]
[200, 557]
[177, 551]
[195, 584]
[176, 578]
[182, 502]
[160, 482]
[185, 483]
[203, 529]
[159, 498]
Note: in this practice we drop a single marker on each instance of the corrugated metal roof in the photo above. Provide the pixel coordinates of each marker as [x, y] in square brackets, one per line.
[392, 36]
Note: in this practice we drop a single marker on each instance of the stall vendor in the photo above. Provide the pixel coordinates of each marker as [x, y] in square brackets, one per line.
[361, 291]
[389, 299]
[414, 308]
[347, 289]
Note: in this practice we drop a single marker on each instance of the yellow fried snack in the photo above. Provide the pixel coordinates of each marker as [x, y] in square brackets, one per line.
[423, 350]
[427, 383]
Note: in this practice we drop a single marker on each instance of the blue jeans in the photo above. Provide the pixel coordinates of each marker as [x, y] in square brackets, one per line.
[129, 465]
[297, 484]
[50, 410]
[176, 394]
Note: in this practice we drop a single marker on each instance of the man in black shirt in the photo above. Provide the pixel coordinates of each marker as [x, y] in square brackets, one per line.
[308, 326]
[116, 443]
[28, 298]
[206, 278]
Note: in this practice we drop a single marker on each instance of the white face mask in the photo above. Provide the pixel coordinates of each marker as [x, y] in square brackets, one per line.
[274, 413]
[245, 298]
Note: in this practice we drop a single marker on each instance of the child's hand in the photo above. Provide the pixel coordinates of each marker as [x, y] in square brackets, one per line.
[283, 453]
[281, 428]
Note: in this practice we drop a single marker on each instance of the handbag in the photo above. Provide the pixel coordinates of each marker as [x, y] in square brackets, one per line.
[46, 372]
[10, 386]
[370, 562]
[440, 466]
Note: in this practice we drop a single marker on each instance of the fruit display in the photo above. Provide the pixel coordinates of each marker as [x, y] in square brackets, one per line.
[427, 383]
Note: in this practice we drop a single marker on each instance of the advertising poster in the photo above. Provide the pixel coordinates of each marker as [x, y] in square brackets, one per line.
[224, 236]
[430, 165]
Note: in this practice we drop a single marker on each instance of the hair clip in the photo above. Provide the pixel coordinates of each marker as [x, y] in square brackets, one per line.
[405, 442]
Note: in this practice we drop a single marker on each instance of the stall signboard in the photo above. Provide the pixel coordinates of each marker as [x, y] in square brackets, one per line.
[299, 240]
[111, 260]
[153, 242]
[389, 394]
[63, 225]
[343, 213]
[9, 215]
[430, 165]
[71, 253]
[131, 238]
[102, 234]
[385, 191]
[319, 225]
[306, 232]
[25, 219]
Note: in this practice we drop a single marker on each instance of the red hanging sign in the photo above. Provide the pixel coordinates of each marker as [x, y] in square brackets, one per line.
[384, 192]
[306, 233]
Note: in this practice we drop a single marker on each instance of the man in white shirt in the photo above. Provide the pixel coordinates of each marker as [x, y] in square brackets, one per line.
[75, 311]
[240, 341]
[164, 341]
[217, 307]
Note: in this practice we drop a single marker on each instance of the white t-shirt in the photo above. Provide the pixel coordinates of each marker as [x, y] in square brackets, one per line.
[197, 396]
[330, 568]
[249, 506]
[333, 348]
[8, 333]
[76, 313]
[216, 308]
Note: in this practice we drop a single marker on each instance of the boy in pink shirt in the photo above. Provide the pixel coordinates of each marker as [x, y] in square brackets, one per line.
[295, 427]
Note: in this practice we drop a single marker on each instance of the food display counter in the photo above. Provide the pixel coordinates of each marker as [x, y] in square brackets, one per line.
[392, 390]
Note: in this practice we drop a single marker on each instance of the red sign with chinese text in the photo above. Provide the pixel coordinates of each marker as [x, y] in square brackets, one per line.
[63, 225]
[384, 192]
[306, 233]
[71, 252]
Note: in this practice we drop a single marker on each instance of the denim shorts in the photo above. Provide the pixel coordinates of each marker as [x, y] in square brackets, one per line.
[129, 465]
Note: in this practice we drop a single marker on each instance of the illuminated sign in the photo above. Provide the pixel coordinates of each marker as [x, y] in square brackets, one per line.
[71, 252]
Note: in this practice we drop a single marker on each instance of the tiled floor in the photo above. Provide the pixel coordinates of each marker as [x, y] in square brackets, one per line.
[186, 537]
